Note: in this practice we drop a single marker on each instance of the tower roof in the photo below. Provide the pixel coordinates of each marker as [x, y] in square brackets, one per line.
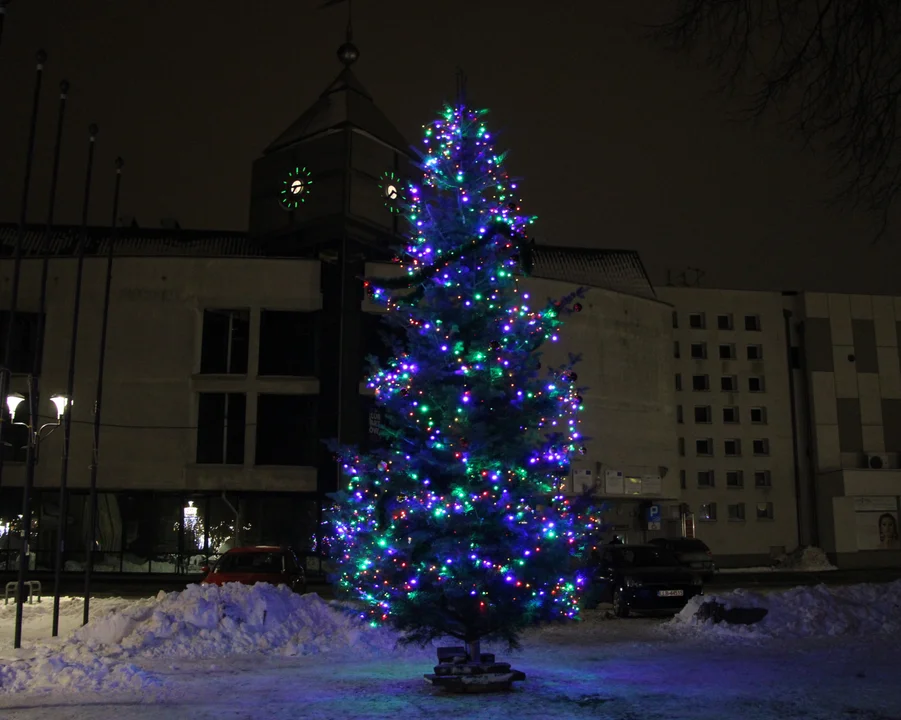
[344, 103]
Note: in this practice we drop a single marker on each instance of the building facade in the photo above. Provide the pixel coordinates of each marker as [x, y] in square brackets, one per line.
[734, 420]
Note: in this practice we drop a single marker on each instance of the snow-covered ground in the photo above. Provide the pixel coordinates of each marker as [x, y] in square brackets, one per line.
[263, 652]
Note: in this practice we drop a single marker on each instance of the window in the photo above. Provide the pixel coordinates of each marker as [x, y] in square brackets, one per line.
[727, 351]
[24, 344]
[696, 321]
[762, 479]
[220, 428]
[724, 322]
[702, 414]
[679, 418]
[224, 343]
[765, 511]
[382, 340]
[708, 512]
[732, 447]
[758, 415]
[675, 319]
[700, 383]
[755, 352]
[756, 384]
[730, 414]
[676, 349]
[682, 479]
[752, 323]
[704, 446]
[735, 479]
[681, 447]
[288, 343]
[287, 430]
[736, 511]
[729, 383]
[678, 381]
[761, 447]
[698, 351]
[705, 479]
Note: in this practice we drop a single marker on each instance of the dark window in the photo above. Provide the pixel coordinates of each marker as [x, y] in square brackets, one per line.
[727, 351]
[705, 478]
[679, 418]
[704, 446]
[737, 511]
[702, 414]
[755, 352]
[758, 415]
[676, 349]
[735, 479]
[732, 447]
[752, 322]
[724, 322]
[678, 381]
[699, 351]
[287, 430]
[765, 511]
[696, 320]
[730, 414]
[224, 344]
[681, 447]
[761, 447]
[682, 479]
[728, 383]
[756, 384]
[700, 382]
[220, 428]
[288, 344]
[708, 512]
[24, 342]
[675, 319]
[383, 340]
[762, 478]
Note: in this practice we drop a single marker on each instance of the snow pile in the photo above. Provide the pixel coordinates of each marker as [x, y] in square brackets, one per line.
[806, 559]
[817, 610]
[207, 620]
[71, 670]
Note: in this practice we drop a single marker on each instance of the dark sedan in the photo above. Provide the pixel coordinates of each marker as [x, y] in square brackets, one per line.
[691, 552]
[641, 579]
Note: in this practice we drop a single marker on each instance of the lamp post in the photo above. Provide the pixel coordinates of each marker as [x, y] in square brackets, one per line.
[35, 435]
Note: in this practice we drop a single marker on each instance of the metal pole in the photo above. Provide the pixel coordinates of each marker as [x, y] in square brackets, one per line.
[73, 345]
[3, 4]
[39, 350]
[20, 233]
[95, 459]
[33, 440]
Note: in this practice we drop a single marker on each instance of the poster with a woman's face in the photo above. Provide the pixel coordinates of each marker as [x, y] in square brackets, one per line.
[877, 524]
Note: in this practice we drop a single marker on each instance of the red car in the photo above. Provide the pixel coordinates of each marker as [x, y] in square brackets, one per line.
[260, 563]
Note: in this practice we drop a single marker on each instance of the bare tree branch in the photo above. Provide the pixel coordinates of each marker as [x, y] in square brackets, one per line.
[833, 66]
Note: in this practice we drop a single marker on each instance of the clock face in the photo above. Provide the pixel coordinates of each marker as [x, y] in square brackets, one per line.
[392, 191]
[295, 188]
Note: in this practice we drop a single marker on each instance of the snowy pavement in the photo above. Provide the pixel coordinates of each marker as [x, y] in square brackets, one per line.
[260, 653]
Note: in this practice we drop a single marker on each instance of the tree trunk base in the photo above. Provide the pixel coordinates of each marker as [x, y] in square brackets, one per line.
[457, 672]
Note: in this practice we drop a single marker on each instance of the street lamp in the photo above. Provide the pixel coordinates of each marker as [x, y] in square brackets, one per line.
[35, 435]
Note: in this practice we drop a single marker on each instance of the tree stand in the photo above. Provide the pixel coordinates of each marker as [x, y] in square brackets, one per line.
[469, 670]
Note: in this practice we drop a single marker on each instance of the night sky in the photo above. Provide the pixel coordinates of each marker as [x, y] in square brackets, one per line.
[619, 144]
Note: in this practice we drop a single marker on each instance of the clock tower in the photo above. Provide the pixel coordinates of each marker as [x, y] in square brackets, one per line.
[325, 189]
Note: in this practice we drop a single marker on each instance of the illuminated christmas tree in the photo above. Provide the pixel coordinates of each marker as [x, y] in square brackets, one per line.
[458, 527]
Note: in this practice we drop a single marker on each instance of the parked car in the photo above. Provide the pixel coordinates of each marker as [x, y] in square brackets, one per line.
[258, 564]
[641, 579]
[691, 552]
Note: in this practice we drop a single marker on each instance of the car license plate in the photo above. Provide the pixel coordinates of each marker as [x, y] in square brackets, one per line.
[670, 593]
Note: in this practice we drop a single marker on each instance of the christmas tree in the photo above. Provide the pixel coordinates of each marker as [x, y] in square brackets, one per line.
[457, 527]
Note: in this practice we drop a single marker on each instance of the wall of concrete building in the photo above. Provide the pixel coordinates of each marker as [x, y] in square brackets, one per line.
[769, 524]
[148, 439]
[852, 359]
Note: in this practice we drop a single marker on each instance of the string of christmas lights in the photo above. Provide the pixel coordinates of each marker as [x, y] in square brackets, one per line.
[458, 527]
